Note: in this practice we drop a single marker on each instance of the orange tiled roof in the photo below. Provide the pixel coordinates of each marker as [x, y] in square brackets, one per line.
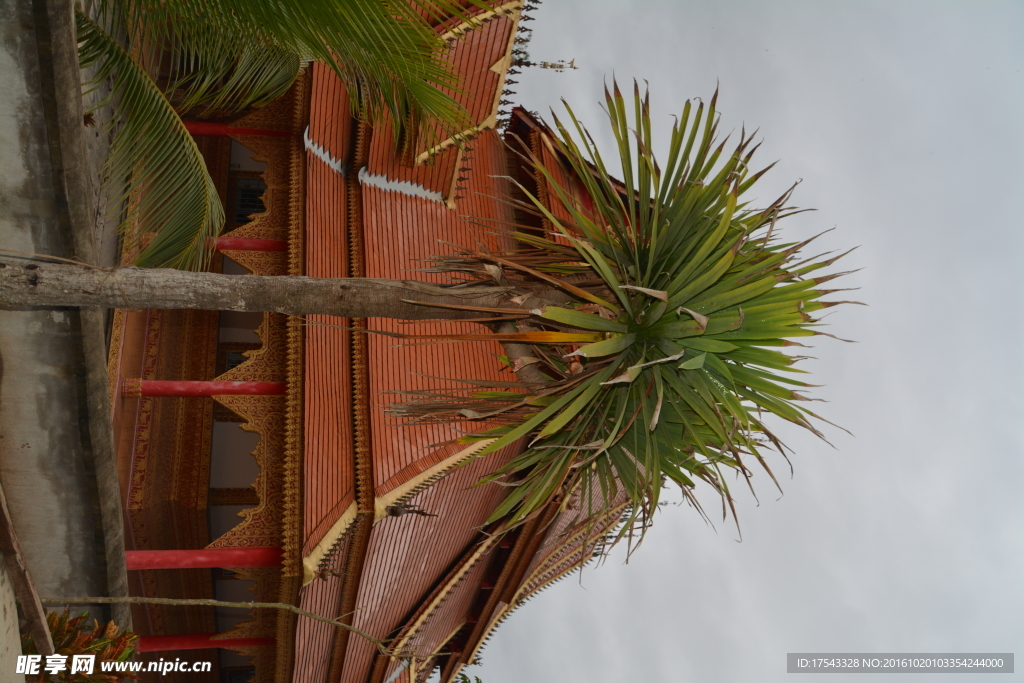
[327, 467]
[421, 576]
[401, 222]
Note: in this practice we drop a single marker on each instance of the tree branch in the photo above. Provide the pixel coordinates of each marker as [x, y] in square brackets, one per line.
[38, 282]
[218, 603]
[29, 281]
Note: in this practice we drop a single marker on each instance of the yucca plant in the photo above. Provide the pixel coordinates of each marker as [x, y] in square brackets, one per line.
[224, 56]
[662, 361]
[75, 636]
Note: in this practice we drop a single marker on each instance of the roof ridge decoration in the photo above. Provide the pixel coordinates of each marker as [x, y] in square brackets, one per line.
[322, 154]
[414, 485]
[419, 621]
[402, 492]
[462, 28]
[513, 10]
[564, 549]
[561, 568]
[401, 186]
[422, 674]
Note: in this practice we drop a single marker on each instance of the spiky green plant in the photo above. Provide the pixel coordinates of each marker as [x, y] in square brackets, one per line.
[223, 56]
[661, 360]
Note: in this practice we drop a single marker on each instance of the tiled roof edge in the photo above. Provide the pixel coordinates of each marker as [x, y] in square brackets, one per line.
[561, 569]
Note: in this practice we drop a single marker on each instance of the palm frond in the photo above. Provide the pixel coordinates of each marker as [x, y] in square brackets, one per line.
[173, 198]
[212, 72]
[691, 292]
[387, 53]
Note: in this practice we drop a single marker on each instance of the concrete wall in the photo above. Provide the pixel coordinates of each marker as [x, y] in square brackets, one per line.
[10, 639]
[45, 469]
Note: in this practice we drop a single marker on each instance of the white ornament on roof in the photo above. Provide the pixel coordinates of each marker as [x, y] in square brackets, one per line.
[402, 186]
[322, 154]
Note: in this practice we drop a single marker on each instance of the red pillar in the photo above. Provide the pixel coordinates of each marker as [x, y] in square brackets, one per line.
[155, 387]
[247, 244]
[196, 641]
[205, 558]
[222, 130]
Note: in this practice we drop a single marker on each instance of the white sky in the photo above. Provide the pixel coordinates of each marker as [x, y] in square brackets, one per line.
[904, 120]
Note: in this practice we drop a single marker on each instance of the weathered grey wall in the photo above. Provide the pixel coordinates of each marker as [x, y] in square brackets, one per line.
[9, 636]
[42, 463]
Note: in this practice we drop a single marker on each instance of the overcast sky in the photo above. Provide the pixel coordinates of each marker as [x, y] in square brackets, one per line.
[904, 122]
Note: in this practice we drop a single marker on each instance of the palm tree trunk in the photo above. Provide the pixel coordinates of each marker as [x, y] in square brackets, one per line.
[27, 282]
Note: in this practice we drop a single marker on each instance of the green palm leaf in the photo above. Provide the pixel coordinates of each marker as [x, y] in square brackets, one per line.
[225, 56]
[213, 72]
[170, 192]
[387, 53]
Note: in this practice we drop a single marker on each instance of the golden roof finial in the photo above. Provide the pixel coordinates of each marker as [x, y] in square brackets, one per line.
[560, 65]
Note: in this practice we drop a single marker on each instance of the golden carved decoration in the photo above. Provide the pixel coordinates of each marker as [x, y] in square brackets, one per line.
[281, 113]
[261, 525]
[114, 354]
[166, 461]
[275, 518]
[292, 513]
[257, 262]
[266, 582]
[264, 415]
[167, 457]
[131, 387]
[273, 222]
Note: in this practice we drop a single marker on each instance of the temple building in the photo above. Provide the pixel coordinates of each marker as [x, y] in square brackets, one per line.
[255, 458]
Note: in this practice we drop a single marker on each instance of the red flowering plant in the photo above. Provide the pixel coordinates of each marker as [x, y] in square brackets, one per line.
[75, 636]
